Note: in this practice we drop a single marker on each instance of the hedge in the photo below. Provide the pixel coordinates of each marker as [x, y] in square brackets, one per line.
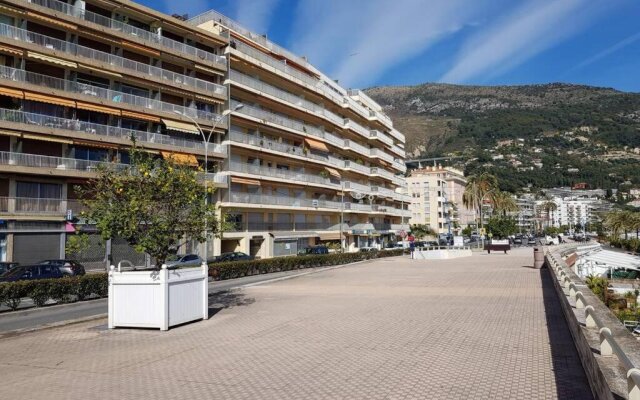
[238, 269]
[632, 244]
[62, 290]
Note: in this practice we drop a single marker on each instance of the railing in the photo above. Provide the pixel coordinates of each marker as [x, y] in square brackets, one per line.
[288, 201]
[362, 131]
[386, 121]
[381, 155]
[382, 172]
[365, 99]
[106, 58]
[381, 191]
[29, 205]
[609, 344]
[396, 134]
[279, 173]
[266, 116]
[103, 130]
[348, 185]
[60, 163]
[142, 34]
[19, 75]
[357, 167]
[398, 151]
[358, 148]
[381, 137]
[361, 110]
[399, 166]
[334, 140]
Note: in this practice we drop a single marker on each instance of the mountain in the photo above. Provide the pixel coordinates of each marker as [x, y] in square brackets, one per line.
[538, 135]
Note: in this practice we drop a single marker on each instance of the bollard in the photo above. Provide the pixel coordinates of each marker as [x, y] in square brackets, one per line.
[589, 321]
[572, 290]
[605, 342]
[580, 303]
[633, 383]
[538, 258]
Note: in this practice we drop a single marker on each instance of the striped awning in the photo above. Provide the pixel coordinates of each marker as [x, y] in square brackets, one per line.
[50, 59]
[246, 181]
[12, 92]
[209, 70]
[141, 49]
[144, 117]
[178, 158]
[98, 108]
[316, 145]
[59, 101]
[333, 172]
[46, 138]
[331, 236]
[53, 21]
[10, 50]
[180, 126]
[98, 145]
[100, 71]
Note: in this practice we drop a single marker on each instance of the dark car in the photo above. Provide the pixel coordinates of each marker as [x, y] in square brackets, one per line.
[314, 250]
[67, 267]
[32, 272]
[7, 266]
[234, 256]
[517, 240]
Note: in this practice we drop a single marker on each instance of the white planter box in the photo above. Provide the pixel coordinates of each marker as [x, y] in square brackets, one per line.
[158, 299]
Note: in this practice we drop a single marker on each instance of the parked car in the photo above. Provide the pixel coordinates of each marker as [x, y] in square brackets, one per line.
[188, 260]
[313, 250]
[517, 240]
[367, 249]
[234, 256]
[67, 267]
[31, 272]
[7, 266]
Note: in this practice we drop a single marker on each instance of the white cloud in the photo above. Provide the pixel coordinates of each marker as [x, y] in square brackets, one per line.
[618, 46]
[520, 35]
[255, 15]
[356, 41]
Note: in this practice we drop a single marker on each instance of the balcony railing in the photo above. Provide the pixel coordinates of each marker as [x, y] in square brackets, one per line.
[152, 38]
[354, 105]
[267, 116]
[103, 130]
[361, 130]
[29, 205]
[396, 134]
[400, 166]
[105, 58]
[398, 151]
[381, 155]
[348, 185]
[356, 167]
[381, 137]
[358, 148]
[279, 173]
[59, 163]
[381, 191]
[19, 75]
[382, 172]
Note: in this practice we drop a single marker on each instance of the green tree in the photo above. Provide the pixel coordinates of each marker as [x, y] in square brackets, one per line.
[478, 187]
[501, 227]
[420, 230]
[156, 205]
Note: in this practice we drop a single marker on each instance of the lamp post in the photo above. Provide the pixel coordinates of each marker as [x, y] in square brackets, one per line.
[206, 138]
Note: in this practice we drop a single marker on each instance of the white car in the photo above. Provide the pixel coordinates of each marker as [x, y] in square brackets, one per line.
[188, 260]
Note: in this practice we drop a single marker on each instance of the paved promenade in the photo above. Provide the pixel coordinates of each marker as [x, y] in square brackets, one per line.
[484, 327]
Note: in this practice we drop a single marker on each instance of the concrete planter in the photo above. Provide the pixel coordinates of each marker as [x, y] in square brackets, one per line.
[157, 299]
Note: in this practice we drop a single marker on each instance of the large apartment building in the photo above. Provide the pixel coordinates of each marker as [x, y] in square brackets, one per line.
[436, 199]
[80, 78]
[309, 161]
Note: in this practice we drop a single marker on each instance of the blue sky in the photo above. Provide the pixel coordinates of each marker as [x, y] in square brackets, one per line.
[365, 43]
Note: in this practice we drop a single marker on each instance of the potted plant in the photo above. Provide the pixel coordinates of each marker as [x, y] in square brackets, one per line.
[156, 205]
[324, 174]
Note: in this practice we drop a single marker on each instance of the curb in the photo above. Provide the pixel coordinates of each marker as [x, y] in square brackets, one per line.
[51, 325]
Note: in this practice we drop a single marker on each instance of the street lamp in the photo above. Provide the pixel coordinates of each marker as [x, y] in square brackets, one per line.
[206, 138]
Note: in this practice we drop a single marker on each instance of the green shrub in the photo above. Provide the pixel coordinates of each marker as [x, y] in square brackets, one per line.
[13, 293]
[39, 292]
[237, 269]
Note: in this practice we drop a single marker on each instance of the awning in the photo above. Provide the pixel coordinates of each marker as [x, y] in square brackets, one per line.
[59, 101]
[316, 145]
[11, 50]
[292, 235]
[50, 59]
[53, 21]
[246, 181]
[141, 49]
[5, 132]
[384, 163]
[209, 70]
[97, 108]
[333, 172]
[46, 138]
[180, 126]
[178, 158]
[144, 117]
[90, 68]
[102, 37]
[12, 92]
[331, 236]
[209, 99]
[99, 145]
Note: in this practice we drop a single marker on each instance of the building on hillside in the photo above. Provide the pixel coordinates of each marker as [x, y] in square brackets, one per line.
[309, 162]
[436, 199]
[80, 78]
[569, 211]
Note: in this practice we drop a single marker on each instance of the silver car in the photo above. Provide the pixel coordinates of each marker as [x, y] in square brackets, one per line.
[188, 260]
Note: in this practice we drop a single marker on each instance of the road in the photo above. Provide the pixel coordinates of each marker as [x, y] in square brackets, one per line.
[56, 314]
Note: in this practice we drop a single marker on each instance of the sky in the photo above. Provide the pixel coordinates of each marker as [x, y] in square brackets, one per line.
[365, 43]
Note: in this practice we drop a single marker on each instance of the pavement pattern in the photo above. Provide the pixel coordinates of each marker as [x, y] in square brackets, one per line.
[483, 327]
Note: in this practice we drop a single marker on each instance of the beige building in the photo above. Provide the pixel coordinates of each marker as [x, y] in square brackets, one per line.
[436, 199]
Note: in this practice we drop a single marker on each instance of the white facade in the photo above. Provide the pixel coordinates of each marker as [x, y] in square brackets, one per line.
[569, 212]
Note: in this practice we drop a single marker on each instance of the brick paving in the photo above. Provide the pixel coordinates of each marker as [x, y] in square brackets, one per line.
[483, 327]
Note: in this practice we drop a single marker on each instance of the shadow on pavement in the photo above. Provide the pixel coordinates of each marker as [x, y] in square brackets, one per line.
[571, 380]
[228, 299]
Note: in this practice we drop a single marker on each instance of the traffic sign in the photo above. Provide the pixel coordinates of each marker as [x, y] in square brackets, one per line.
[411, 238]
[403, 234]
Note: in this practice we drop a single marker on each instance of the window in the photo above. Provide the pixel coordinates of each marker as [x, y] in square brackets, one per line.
[133, 124]
[89, 153]
[36, 190]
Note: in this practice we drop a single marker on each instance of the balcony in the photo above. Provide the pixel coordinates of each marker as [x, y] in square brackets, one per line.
[381, 172]
[354, 186]
[398, 151]
[33, 206]
[75, 50]
[285, 96]
[397, 135]
[383, 192]
[152, 39]
[359, 129]
[286, 175]
[360, 110]
[384, 120]
[55, 163]
[381, 137]
[354, 166]
[282, 201]
[400, 166]
[358, 148]
[113, 96]
[381, 155]
[269, 117]
[121, 134]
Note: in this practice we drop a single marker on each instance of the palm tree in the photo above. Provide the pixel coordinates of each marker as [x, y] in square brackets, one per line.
[504, 203]
[478, 187]
[615, 221]
[549, 206]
